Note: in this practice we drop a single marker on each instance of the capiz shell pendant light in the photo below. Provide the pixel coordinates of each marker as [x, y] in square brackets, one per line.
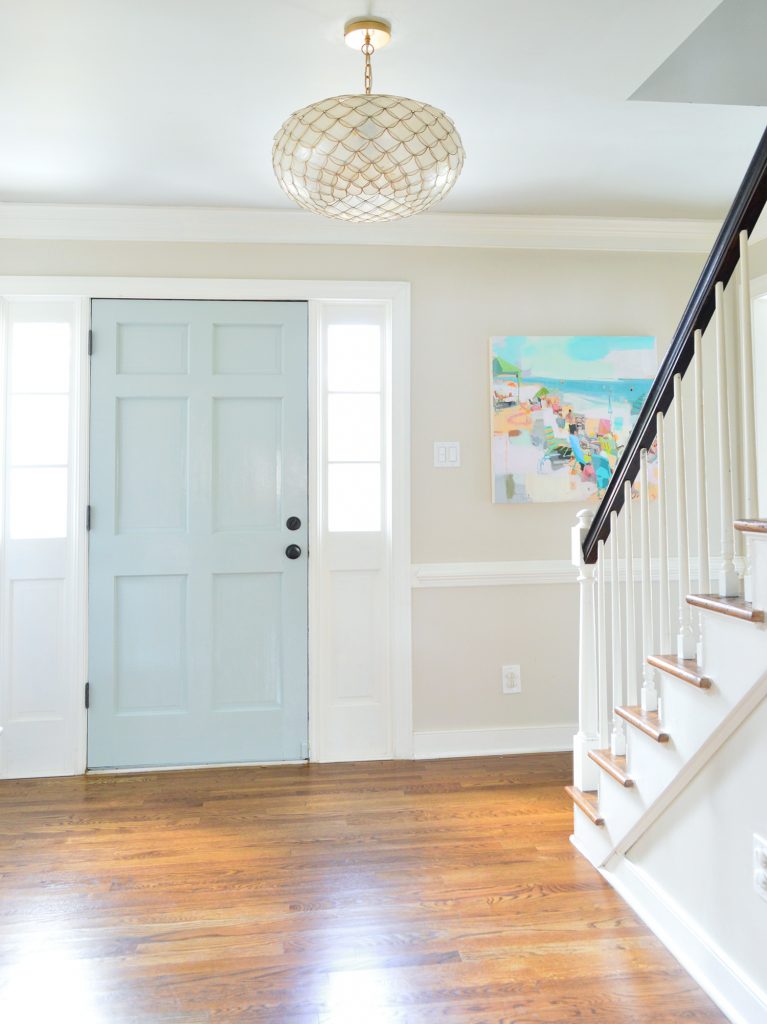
[367, 156]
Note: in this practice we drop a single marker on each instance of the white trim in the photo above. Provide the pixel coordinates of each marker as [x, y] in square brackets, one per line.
[730, 988]
[271, 227]
[397, 294]
[431, 575]
[528, 739]
[80, 476]
[492, 574]
[400, 606]
[316, 498]
[242, 288]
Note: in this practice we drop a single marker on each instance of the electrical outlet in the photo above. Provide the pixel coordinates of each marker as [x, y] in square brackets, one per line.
[760, 866]
[511, 679]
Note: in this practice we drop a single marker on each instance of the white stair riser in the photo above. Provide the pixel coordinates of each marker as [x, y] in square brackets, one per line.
[620, 806]
[758, 544]
[734, 653]
[652, 765]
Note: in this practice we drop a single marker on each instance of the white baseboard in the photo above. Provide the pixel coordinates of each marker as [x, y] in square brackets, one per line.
[531, 739]
[733, 992]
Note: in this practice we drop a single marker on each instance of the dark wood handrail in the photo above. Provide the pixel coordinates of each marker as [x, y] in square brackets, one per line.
[749, 202]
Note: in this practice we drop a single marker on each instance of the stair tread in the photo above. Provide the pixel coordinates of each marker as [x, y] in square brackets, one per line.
[751, 525]
[686, 669]
[587, 801]
[614, 764]
[736, 607]
[647, 722]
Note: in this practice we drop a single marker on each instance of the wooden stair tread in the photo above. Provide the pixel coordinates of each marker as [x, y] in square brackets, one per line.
[614, 765]
[647, 722]
[751, 525]
[736, 607]
[686, 669]
[587, 802]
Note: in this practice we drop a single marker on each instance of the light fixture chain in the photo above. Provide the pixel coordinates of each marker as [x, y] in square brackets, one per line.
[368, 49]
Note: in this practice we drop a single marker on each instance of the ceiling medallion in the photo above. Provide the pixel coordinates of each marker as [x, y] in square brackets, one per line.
[367, 156]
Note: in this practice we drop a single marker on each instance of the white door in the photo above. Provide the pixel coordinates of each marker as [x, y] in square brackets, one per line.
[197, 552]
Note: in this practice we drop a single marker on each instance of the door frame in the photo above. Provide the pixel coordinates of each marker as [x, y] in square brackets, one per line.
[395, 295]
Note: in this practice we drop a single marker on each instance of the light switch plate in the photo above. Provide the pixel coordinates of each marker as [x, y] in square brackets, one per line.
[447, 454]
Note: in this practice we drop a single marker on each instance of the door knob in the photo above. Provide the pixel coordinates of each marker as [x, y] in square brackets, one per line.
[293, 551]
[293, 523]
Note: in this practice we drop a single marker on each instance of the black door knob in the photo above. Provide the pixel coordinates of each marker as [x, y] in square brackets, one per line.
[293, 523]
[293, 551]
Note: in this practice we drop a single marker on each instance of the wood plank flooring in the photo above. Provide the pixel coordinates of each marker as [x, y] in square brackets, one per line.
[326, 894]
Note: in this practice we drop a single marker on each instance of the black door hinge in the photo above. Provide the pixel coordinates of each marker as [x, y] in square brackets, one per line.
[87, 517]
[90, 343]
[87, 695]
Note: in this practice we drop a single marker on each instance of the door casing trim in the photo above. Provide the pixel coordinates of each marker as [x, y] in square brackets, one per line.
[316, 292]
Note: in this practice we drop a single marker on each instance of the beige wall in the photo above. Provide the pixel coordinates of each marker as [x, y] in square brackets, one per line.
[460, 297]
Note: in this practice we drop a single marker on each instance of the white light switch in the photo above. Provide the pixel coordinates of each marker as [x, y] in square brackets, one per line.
[447, 454]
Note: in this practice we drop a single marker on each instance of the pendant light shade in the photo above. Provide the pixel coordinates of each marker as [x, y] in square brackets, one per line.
[367, 156]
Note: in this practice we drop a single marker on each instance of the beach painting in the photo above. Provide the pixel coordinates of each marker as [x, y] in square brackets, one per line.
[562, 411]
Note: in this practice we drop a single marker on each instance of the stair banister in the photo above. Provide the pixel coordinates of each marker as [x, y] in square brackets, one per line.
[722, 261]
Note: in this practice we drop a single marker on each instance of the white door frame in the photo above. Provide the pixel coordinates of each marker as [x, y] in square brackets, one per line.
[396, 294]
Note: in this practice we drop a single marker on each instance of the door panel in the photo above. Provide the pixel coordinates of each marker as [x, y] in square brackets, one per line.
[197, 619]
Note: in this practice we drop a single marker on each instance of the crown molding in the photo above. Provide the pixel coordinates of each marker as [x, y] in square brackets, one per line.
[275, 227]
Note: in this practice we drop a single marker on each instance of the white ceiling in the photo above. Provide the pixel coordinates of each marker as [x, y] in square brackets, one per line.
[722, 61]
[175, 102]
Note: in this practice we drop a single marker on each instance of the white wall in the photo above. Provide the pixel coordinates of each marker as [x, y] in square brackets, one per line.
[460, 297]
[699, 853]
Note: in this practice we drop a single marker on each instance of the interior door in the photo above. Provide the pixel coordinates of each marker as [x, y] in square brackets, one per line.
[197, 553]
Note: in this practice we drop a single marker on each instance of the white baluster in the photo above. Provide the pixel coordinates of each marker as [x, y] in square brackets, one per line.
[585, 772]
[747, 404]
[618, 734]
[686, 639]
[664, 596]
[704, 570]
[631, 665]
[728, 579]
[704, 558]
[604, 689]
[649, 698]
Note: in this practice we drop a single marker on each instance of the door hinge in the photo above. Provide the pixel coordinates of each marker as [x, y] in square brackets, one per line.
[90, 343]
[87, 695]
[87, 517]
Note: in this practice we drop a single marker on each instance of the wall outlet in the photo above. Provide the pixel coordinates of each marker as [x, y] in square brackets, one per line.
[511, 679]
[760, 866]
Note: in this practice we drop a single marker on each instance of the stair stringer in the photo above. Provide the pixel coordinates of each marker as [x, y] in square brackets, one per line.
[602, 849]
[698, 721]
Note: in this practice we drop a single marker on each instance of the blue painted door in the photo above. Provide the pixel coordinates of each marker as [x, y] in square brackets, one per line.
[198, 460]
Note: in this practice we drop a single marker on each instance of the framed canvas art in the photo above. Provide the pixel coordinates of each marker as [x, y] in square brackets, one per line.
[562, 410]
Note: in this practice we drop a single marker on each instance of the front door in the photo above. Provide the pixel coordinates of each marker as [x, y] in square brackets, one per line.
[197, 552]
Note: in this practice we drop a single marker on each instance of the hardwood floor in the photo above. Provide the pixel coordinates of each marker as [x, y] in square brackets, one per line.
[343, 894]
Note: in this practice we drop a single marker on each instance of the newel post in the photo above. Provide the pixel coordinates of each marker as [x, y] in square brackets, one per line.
[585, 772]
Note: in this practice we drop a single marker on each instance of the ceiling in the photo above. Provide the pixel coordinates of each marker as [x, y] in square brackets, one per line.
[175, 102]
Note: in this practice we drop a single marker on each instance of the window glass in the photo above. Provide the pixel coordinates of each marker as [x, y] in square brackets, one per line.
[354, 428]
[354, 497]
[354, 357]
[39, 430]
[40, 356]
[37, 503]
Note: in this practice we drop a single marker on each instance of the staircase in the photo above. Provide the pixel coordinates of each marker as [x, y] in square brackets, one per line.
[673, 587]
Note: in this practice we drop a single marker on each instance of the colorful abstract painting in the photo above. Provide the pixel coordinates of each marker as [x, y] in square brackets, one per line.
[562, 409]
